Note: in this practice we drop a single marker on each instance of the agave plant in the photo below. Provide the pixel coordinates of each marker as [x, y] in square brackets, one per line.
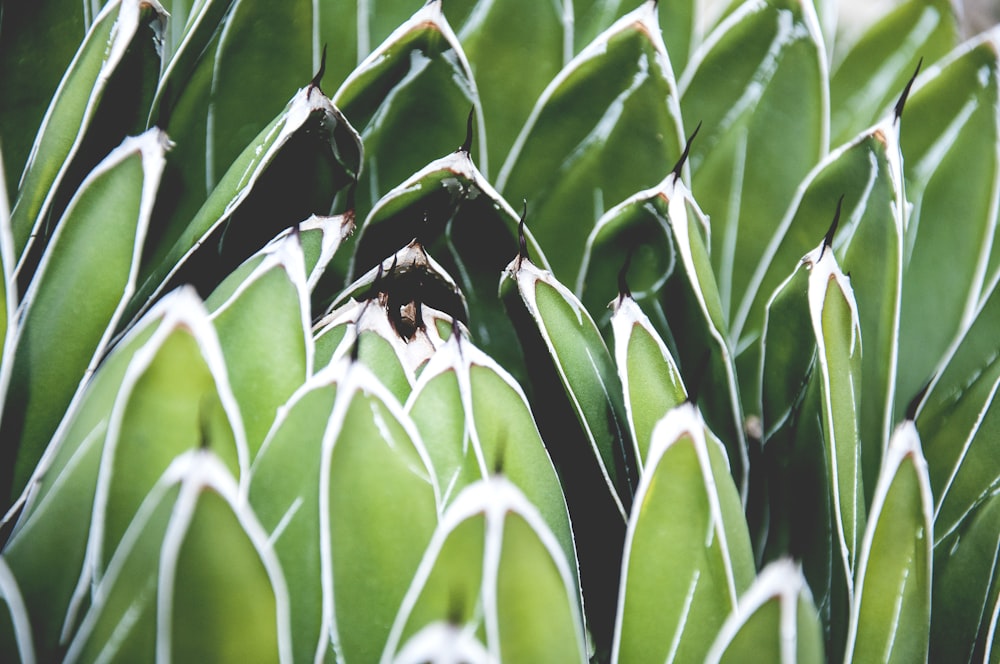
[690, 347]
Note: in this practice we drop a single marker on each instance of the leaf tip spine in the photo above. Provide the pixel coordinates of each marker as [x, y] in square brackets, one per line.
[467, 145]
[318, 78]
[898, 111]
[828, 238]
[679, 166]
[522, 241]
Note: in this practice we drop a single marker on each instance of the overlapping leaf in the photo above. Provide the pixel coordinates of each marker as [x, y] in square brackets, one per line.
[607, 126]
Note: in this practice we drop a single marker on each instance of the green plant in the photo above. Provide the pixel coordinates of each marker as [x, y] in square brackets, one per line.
[235, 428]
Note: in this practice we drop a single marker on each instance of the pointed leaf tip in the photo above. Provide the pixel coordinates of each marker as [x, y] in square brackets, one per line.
[522, 242]
[322, 70]
[467, 145]
[684, 155]
[914, 406]
[906, 91]
[828, 239]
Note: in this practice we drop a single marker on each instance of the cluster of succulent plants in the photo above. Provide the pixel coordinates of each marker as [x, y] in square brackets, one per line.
[688, 351]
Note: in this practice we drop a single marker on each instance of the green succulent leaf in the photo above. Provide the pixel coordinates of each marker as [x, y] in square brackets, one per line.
[687, 551]
[607, 126]
[46, 34]
[101, 99]
[244, 59]
[660, 234]
[834, 314]
[269, 309]
[461, 220]
[514, 45]
[957, 420]
[762, 61]
[650, 379]
[890, 616]
[194, 577]
[378, 506]
[952, 169]
[776, 621]
[284, 493]
[47, 546]
[476, 420]
[868, 244]
[292, 169]
[491, 550]
[410, 100]
[966, 586]
[867, 78]
[586, 371]
[77, 297]
[15, 628]
[175, 396]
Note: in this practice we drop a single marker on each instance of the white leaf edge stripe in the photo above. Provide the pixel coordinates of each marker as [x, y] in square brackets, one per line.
[195, 471]
[459, 355]
[443, 643]
[494, 498]
[356, 381]
[823, 269]
[563, 10]
[305, 102]
[991, 634]
[781, 580]
[626, 317]
[684, 421]
[645, 18]
[679, 196]
[429, 16]
[11, 594]
[526, 274]
[151, 146]
[190, 28]
[11, 295]
[187, 312]
[904, 446]
[123, 31]
[461, 164]
[286, 255]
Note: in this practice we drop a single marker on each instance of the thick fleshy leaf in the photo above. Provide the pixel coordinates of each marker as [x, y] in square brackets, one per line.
[175, 396]
[868, 244]
[966, 586]
[78, 296]
[292, 169]
[194, 577]
[378, 506]
[949, 134]
[245, 59]
[586, 371]
[834, 314]
[958, 420]
[661, 235]
[410, 100]
[47, 546]
[867, 78]
[607, 126]
[15, 628]
[762, 60]
[45, 34]
[890, 617]
[514, 45]
[476, 420]
[776, 621]
[102, 98]
[650, 379]
[687, 552]
[464, 223]
[284, 493]
[491, 550]
[269, 310]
